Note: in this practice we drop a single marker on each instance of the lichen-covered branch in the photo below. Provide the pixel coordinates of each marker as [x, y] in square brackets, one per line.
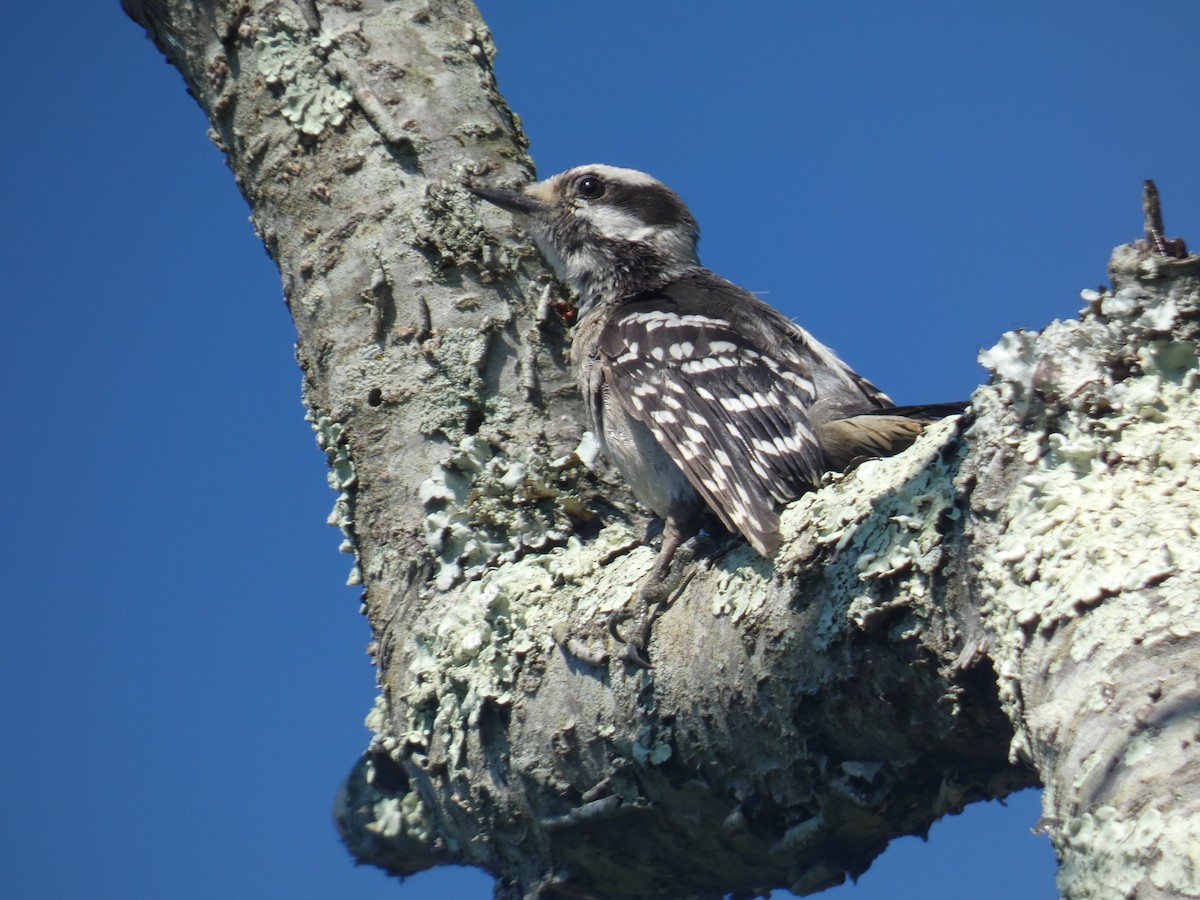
[1004, 603]
[1089, 569]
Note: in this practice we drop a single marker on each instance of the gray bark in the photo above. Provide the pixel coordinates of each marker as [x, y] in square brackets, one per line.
[1009, 602]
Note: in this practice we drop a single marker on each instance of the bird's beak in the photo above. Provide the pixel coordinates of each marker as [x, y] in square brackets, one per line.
[513, 201]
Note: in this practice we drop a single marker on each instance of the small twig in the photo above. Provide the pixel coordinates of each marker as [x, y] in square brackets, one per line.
[368, 101]
[605, 808]
[312, 15]
[383, 300]
[1152, 212]
[1172, 248]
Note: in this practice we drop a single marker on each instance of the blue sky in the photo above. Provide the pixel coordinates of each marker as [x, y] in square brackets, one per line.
[182, 669]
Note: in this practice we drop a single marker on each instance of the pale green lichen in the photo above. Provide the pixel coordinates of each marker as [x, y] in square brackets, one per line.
[652, 746]
[292, 59]
[331, 437]
[471, 658]
[885, 523]
[610, 587]
[1106, 508]
[447, 225]
[1141, 747]
[1106, 856]
[454, 388]
[483, 507]
[741, 586]
[396, 816]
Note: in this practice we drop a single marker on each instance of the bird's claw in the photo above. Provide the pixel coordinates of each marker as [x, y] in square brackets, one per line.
[635, 645]
[657, 592]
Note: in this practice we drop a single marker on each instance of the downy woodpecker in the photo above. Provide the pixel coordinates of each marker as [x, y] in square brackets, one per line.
[700, 393]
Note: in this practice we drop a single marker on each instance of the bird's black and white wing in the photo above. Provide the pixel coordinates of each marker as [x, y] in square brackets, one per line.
[729, 401]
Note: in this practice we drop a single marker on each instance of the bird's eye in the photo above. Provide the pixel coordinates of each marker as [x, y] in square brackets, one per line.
[590, 187]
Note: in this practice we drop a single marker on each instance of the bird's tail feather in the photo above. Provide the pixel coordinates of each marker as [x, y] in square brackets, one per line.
[925, 412]
[878, 432]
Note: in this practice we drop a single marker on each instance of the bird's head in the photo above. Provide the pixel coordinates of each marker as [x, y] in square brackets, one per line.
[610, 232]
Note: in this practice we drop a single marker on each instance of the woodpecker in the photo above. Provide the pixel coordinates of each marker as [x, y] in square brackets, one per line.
[702, 395]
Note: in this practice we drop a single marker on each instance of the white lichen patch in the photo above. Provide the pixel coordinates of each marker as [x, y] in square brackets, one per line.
[1130, 303]
[1106, 856]
[1140, 748]
[883, 520]
[740, 585]
[1013, 359]
[293, 60]
[483, 508]
[588, 450]
[331, 437]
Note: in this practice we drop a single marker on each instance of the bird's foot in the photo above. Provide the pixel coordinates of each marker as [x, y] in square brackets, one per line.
[666, 581]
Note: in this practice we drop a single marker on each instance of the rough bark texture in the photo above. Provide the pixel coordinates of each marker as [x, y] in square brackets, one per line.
[1011, 601]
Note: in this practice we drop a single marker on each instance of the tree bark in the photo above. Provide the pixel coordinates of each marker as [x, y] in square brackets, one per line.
[1010, 602]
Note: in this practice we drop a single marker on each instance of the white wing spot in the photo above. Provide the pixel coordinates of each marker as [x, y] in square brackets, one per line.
[798, 380]
[743, 496]
[762, 446]
[697, 319]
[681, 350]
